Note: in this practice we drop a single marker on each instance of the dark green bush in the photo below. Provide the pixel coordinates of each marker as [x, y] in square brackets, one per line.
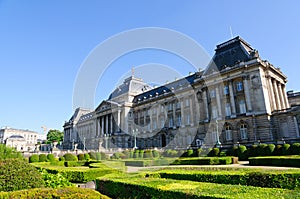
[80, 157]
[295, 149]
[141, 153]
[190, 153]
[278, 150]
[100, 156]
[293, 161]
[93, 155]
[86, 156]
[7, 152]
[156, 154]
[270, 149]
[50, 157]
[253, 151]
[214, 152]
[61, 158]
[148, 154]
[66, 193]
[286, 149]
[17, 174]
[136, 154]
[203, 161]
[262, 148]
[70, 157]
[170, 153]
[34, 158]
[42, 158]
[74, 163]
[242, 152]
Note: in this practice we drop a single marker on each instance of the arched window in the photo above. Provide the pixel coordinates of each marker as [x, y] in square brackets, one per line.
[243, 131]
[228, 132]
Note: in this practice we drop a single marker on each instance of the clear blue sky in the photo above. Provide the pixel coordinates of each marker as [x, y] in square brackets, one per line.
[43, 44]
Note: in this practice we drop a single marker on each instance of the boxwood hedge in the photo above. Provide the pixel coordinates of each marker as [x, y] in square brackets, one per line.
[66, 193]
[137, 187]
[287, 161]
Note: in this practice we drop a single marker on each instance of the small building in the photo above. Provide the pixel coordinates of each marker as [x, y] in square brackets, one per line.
[21, 140]
[294, 98]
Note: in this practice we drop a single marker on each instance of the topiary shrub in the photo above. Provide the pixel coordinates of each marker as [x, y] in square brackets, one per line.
[50, 157]
[295, 149]
[126, 154]
[253, 151]
[155, 153]
[17, 174]
[34, 158]
[70, 157]
[93, 155]
[262, 148]
[99, 156]
[270, 149]
[42, 158]
[141, 153]
[278, 150]
[86, 157]
[170, 153]
[136, 154]
[286, 149]
[61, 158]
[214, 152]
[242, 152]
[118, 155]
[7, 152]
[80, 157]
[190, 153]
[148, 154]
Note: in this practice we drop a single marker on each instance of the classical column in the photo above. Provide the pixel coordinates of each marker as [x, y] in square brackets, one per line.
[273, 101]
[191, 112]
[174, 115]
[232, 102]
[276, 95]
[106, 124]
[247, 94]
[182, 112]
[282, 103]
[119, 120]
[157, 116]
[99, 127]
[102, 125]
[286, 101]
[205, 104]
[218, 102]
[111, 123]
[296, 126]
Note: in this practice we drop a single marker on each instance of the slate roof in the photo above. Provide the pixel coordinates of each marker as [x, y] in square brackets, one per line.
[167, 88]
[232, 52]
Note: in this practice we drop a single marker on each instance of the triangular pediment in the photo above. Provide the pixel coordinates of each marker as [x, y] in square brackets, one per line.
[104, 105]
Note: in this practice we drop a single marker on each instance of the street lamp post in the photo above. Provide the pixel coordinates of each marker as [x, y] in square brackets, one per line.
[135, 133]
[218, 139]
[106, 140]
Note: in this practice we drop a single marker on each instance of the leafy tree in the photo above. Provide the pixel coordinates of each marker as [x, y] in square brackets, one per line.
[55, 135]
[7, 152]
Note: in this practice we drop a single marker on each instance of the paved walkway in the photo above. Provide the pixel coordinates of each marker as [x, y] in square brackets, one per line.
[241, 164]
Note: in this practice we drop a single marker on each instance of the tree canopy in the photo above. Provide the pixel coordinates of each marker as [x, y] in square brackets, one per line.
[55, 135]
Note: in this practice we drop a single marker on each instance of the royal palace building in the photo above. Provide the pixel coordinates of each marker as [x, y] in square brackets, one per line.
[238, 99]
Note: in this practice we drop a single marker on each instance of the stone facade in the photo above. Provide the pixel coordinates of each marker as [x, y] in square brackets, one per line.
[22, 140]
[238, 99]
[294, 98]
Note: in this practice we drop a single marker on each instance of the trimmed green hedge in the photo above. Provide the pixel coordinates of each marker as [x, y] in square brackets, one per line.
[288, 161]
[203, 161]
[66, 193]
[17, 174]
[109, 164]
[77, 174]
[146, 163]
[273, 179]
[74, 163]
[137, 187]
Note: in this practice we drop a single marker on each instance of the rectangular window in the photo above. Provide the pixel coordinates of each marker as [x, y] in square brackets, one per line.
[213, 93]
[214, 136]
[226, 90]
[242, 106]
[227, 109]
[171, 121]
[228, 134]
[214, 112]
[154, 124]
[162, 122]
[170, 106]
[178, 120]
[188, 119]
[187, 102]
[239, 86]
[178, 105]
